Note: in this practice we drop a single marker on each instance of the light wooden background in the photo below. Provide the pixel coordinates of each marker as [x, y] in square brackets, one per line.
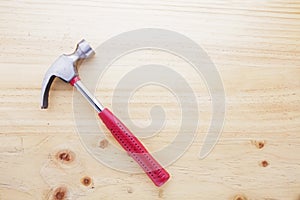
[256, 48]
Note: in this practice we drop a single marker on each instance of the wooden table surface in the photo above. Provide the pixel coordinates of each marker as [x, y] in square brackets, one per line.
[255, 46]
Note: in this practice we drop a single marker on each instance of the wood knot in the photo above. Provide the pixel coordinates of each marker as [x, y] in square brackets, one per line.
[60, 193]
[103, 144]
[264, 163]
[86, 181]
[239, 197]
[259, 144]
[65, 156]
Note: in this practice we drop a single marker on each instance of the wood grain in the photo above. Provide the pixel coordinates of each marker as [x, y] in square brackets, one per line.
[256, 48]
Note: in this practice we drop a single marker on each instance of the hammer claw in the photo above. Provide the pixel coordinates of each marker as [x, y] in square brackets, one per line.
[45, 91]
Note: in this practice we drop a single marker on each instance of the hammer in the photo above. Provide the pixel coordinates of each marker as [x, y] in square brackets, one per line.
[65, 68]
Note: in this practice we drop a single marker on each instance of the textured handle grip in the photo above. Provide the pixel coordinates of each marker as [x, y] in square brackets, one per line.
[134, 148]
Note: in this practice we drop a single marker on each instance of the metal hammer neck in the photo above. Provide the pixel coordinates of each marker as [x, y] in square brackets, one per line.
[88, 96]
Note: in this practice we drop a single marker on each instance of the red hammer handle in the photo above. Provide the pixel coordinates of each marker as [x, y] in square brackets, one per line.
[134, 148]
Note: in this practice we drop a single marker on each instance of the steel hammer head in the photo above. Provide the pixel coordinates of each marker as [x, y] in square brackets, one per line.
[65, 68]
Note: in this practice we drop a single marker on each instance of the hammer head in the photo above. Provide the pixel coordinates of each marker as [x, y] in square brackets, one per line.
[65, 68]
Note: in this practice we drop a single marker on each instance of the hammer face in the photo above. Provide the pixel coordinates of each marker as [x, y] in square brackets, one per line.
[65, 67]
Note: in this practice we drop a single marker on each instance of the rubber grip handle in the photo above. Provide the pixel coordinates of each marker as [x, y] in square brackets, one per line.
[134, 148]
